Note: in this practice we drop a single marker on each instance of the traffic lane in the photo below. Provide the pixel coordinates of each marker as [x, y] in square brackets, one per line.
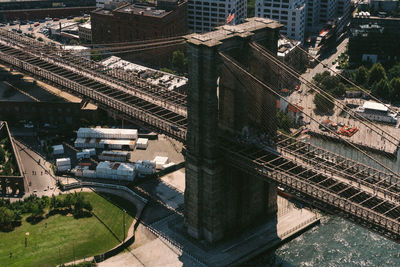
[37, 174]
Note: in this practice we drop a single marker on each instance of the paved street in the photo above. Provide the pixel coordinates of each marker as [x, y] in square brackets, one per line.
[37, 174]
[302, 97]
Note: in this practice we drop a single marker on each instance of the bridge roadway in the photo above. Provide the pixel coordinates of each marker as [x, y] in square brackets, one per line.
[316, 185]
[155, 109]
[384, 184]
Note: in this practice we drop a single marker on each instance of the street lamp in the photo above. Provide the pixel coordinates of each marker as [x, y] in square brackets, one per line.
[26, 239]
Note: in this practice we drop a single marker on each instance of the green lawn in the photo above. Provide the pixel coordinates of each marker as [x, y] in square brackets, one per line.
[64, 235]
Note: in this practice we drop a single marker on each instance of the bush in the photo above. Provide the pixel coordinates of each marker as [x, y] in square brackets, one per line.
[323, 103]
[7, 218]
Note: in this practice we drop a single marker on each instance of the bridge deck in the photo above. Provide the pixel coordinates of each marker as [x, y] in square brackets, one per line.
[384, 184]
[331, 190]
[101, 89]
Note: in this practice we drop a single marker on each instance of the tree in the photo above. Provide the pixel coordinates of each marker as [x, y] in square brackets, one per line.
[68, 201]
[395, 89]
[96, 56]
[381, 89]
[346, 74]
[7, 218]
[87, 206]
[394, 72]
[7, 169]
[361, 75]
[167, 70]
[376, 74]
[74, 42]
[339, 90]
[323, 103]
[179, 61]
[2, 155]
[284, 121]
[320, 76]
[328, 83]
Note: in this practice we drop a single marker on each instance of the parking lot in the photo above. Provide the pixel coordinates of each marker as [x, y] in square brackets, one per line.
[39, 29]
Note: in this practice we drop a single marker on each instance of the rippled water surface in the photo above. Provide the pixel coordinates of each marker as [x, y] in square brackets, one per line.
[335, 242]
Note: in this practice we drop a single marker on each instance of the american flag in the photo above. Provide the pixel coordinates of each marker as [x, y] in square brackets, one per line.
[231, 16]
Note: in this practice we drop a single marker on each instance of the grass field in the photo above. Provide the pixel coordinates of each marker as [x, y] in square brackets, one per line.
[64, 236]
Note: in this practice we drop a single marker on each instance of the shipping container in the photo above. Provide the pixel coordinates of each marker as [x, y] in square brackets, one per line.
[142, 143]
[58, 149]
[160, 161]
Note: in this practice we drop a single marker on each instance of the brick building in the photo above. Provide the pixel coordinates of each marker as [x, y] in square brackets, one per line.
[85, 32]
[139, 21]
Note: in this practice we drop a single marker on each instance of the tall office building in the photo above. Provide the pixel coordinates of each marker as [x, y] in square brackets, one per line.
[205, 15]
[291, 13]
[312, 14]
[328, 10]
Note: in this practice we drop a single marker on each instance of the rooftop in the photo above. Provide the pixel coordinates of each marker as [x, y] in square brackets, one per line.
[375, 106]
[136, 9]
[156, 77]
[86, 25]
[285, 46]
[221, 33]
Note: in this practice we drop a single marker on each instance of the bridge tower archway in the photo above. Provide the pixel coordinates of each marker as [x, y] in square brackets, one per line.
[221, 201]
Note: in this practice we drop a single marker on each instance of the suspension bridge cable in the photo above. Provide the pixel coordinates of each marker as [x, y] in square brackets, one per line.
[255, 79]
[341, 76]
[323, 93]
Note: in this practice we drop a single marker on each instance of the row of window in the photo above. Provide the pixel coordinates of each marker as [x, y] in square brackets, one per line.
[213, 10]
[192, 4]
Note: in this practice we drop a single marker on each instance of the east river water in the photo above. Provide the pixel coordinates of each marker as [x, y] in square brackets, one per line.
[337, 242]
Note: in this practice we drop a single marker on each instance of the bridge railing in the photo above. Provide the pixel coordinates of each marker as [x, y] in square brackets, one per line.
[305, 187]
[385, 183]
[98, 97]
[54, 56]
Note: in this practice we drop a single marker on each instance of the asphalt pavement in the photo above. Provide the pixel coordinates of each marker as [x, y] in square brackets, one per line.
[37, 171]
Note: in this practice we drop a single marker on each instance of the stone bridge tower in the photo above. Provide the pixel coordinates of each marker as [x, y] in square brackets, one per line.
[222, 201]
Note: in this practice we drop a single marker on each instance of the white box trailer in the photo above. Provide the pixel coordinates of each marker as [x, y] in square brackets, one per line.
[160, 161]
[145, 167]
[63, 164]
[142, 143]
[80, 143]
[168, 165]
[63, 168]
[116, 171]
[114, 156]
[107, 133]
[89, 174]
[90, 151]
[82, 155]
[58, 149]
[63, 161]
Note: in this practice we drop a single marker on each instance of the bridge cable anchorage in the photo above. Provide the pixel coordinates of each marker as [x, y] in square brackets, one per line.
[228, 62]
[339, 74]
[323, 93]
